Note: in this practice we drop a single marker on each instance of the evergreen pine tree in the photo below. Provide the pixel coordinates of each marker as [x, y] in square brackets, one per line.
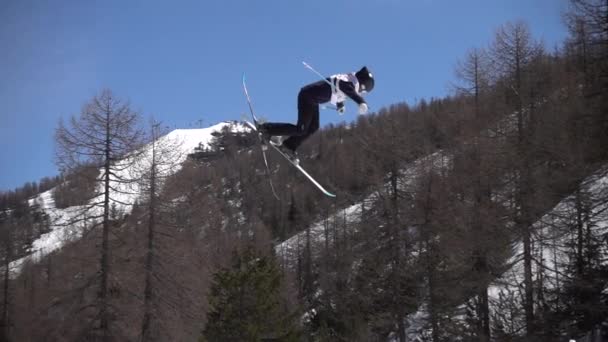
[246, 302]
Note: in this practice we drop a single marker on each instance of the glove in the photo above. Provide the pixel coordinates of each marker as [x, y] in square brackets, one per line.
[363, 108]
[340, 107]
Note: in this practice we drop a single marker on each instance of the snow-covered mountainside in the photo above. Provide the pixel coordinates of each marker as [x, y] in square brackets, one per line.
[181, 141]
[550, 249]
[553, 236]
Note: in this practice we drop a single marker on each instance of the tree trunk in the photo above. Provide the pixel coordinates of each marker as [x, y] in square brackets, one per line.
[6, 299]
[485, 315]
[105, 267]
[529, 294]
[430, 262]
[580, 260]
[145, 328]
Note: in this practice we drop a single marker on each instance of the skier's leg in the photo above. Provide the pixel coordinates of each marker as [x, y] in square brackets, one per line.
[278, 128]
[308, 122]
[287, 129]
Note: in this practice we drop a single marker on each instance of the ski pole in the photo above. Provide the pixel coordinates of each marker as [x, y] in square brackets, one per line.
[333, 87]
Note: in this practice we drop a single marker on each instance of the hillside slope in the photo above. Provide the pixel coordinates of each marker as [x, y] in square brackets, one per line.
[67, 224]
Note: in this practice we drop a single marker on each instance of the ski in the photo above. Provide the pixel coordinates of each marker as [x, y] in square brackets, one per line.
[299, 167]
[254, 126]
[263, 145]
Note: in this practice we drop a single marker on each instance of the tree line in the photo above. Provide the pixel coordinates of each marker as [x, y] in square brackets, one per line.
[448, 193]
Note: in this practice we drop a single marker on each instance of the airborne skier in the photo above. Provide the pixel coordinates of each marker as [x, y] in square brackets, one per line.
[334, 89]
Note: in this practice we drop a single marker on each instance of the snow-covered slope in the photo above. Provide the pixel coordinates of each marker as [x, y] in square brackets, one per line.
[350, 216]
[68, 223]
[554, 236]
[552, 233]
[173, 149]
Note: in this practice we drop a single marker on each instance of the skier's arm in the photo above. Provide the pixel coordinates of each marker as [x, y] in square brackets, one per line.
[349, 89]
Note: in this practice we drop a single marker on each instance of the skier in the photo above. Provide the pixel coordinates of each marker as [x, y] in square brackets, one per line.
[352, 85]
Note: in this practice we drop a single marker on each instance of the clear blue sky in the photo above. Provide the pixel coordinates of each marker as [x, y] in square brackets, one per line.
[182, 60]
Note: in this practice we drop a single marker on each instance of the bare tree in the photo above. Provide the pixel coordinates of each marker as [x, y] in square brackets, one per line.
[588, 24]
[162, 157]
[513, 52]
[474, 74]
[106, 134]
[587, 20]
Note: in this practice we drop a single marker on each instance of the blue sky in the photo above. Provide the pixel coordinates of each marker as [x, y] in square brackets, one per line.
[182, 61]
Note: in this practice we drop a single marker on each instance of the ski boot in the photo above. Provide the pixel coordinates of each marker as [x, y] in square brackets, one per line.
[290, 154]
[276, 140]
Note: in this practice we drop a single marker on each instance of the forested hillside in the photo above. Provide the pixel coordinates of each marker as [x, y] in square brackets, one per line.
[475, 217]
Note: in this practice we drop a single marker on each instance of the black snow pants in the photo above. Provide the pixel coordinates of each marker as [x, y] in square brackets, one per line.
[308, 121]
